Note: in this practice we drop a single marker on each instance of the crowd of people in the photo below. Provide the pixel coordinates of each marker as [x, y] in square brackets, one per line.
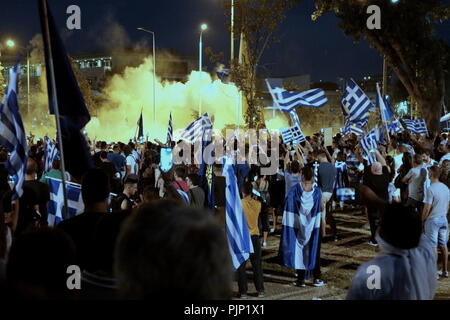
[146, 233]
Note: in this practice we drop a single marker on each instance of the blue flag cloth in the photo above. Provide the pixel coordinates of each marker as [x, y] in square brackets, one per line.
[301, 229]
[73, 111]
[288, 100]
[51, 154]
[416, 126]
[385, 108]
[370, 142]
[395, 127]
[356, 105]
[238, 235]
[357, 127]
[12, 134]
[56, 203]
[197, 129]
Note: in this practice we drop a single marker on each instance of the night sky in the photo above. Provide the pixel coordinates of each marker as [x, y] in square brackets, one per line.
[318, 48]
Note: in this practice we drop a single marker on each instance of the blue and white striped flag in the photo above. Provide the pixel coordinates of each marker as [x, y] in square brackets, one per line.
[395, 127]
[292, 135]
[288, 100]
[355, 127]
[416, 126]
[370, 142]
[56, 203]
[301, 229]
[51, 154]
[355, 103]
[196, 129]
[12, 134]
[239, 241]
[385, 108]
[170, 130]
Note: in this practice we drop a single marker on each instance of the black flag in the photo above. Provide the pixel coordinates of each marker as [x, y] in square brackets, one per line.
[140, 124]
[73, 112]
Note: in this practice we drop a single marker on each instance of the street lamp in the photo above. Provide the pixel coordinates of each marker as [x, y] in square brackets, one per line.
[154, 71]
[10, 43]
[203, 27]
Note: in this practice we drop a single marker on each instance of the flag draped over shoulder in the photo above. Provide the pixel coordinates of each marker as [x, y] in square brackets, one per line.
[12, 134]
[301, 229]
[51, 154]
[238, 235]
[73, 111]
[288, 100]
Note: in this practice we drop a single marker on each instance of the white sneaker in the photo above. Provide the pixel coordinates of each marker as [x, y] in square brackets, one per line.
[373, 244]
[445, 274]
[318, 283]
[272, 230]
[264, 244]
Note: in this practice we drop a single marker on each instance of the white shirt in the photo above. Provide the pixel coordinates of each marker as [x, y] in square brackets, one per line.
[437, 196]
[131, 161]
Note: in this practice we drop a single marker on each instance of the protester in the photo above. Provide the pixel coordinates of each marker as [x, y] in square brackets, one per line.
[415, 179]
[435, 216]
[193, 260]
[196, 194]
[405, 269]
[252, 209]
[125, 201]
[95, 192]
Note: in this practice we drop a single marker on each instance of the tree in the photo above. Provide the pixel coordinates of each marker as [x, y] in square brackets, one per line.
[257, 22]
[408, 41]
[85, 88]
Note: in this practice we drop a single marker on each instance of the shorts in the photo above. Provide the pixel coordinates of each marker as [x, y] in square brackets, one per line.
[326, 197]
[436, 229]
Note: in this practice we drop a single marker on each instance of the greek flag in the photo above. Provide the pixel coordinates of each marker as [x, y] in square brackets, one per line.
[416, 126]
[395, 127]
[370, 142]
[355, 127]
[292, 135]
[12, 134]
[196, 129]
[316, 166]
[355, 103]
[301, 229]
[445, 122]
[385, 108]
[170, 130]
[239, 241]
[51, 154]
[56, 203]
[288, 100]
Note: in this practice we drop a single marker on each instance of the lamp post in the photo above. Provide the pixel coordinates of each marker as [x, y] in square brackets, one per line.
[232, 32]
[203, 27]
[154, 71]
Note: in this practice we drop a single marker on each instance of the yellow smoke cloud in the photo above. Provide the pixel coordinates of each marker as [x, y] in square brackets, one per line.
[127, 94]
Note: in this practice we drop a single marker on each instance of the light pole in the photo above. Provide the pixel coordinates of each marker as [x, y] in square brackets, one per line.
[154, 71]
[232, 32]
[203, 27]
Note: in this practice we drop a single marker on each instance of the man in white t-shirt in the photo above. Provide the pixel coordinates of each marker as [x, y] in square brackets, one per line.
[435, 215]
[131, 163]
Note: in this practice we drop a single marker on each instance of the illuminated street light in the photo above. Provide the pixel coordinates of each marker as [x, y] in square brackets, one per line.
[10, 43]
[203, 27]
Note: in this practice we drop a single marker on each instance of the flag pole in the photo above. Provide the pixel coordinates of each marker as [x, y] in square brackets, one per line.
[51, 72]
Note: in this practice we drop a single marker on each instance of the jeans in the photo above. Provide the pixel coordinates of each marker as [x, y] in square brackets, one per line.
[301, 274]
[436, 230]
[255, 259]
